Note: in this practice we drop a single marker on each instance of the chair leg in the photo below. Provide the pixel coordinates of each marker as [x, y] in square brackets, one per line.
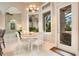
[3, 42]
[1, 51]
[31, 47]
[28, 46]
[38, 47]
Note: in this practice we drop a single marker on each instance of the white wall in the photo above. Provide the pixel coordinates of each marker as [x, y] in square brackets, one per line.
[1, 20]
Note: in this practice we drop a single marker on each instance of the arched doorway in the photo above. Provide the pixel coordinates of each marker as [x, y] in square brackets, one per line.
[12, 19]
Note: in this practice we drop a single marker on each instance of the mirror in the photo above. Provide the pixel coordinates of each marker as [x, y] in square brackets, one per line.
[12, 25]
[65, 25]
[33, 23]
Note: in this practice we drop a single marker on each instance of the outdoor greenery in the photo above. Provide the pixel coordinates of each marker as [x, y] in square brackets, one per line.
[68, 25]
[48, 27]
[47, 22]
[33, 29]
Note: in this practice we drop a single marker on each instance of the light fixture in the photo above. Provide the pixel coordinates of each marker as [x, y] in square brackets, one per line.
[32, 8]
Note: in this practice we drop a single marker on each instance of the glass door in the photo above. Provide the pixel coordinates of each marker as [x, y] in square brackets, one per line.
[65, 27]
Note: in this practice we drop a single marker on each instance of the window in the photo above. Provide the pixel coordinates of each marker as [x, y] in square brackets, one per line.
[68, 21]
[47, 22]
[33, 23]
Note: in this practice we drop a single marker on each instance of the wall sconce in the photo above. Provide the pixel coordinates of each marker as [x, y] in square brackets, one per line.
[32, 8]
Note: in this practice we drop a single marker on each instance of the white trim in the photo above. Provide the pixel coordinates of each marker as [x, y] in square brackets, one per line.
[44, 4]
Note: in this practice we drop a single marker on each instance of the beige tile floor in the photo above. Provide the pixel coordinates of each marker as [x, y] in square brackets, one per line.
[13, 48]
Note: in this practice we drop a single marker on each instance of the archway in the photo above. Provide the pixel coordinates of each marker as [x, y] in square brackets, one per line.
[12, 19]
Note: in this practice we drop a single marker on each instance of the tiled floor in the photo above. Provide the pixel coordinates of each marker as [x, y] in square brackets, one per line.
[13, 48]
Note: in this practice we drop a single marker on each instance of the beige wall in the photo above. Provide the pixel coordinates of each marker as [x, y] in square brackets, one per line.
[4, 7]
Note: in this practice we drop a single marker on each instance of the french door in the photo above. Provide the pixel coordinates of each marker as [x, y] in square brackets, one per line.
[66, 29]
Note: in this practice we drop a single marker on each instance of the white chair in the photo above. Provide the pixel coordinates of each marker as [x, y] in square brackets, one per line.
[22, 41]
[28, 38]
[39, 42]
[19, 40]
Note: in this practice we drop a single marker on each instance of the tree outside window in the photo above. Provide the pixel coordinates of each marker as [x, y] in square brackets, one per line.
[47, 22]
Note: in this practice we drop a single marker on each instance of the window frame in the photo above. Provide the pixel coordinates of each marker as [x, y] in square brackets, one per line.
[44, 20]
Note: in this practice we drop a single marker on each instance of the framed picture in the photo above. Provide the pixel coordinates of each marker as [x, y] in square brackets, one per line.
[12, 26]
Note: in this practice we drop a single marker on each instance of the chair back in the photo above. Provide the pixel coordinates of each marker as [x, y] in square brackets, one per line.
[17, 34]
[2, 32]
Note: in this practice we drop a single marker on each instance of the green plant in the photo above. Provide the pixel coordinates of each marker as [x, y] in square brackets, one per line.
[68, 23]
[33, 29]
[68, 28]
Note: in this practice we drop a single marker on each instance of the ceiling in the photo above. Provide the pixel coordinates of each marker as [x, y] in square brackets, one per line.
[34, 3]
